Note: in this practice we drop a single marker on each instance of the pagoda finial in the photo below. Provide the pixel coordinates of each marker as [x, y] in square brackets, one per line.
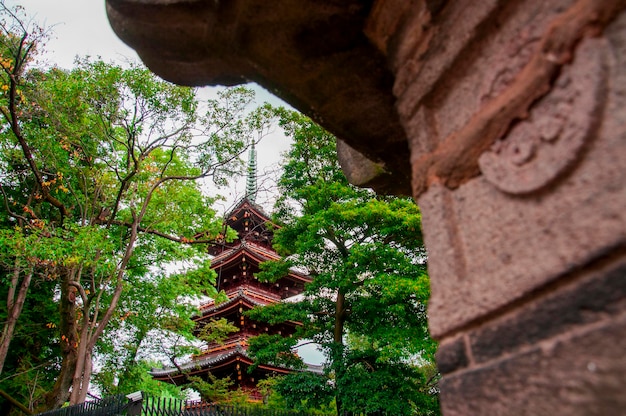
[251, 182]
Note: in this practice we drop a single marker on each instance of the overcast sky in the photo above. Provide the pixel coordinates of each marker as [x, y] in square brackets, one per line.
[81, 28]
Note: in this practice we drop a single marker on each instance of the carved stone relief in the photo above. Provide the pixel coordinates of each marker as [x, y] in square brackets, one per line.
[547, 144]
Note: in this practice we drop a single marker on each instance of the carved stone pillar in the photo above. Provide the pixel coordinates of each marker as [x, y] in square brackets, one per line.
[515, 113]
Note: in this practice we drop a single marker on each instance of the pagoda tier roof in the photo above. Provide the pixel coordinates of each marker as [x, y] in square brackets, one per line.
[245, 295]
[246, 205]
[255, 252]
[223, 359]
[215, 362]
[250, 222]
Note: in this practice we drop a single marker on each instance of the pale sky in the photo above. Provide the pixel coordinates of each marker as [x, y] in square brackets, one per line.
[80, 27]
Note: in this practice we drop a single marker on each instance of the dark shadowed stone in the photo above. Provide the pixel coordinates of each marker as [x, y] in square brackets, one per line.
[451, 356]
[601, 294]
[582, 375]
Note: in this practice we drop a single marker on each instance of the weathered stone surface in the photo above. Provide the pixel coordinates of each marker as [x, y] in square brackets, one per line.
[488, 248]
[313, 54]
[536, 151]
[359, 170]
[492, 249]
[512, 52]
[437, 52]
[583, 374]
[599, 294]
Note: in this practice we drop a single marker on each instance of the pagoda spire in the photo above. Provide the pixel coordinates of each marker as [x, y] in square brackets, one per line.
[251, 182]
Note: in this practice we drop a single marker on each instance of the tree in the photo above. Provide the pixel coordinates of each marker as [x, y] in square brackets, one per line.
[366, 305]
[18, 42]
[154, 322]
[152, 318]
[101, 168]
[33, 350]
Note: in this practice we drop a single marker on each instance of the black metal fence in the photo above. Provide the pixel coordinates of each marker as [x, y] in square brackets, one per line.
[108, 406]
[143, 405]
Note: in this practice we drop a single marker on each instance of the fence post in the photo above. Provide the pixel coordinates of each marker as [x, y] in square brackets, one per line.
[135, 401]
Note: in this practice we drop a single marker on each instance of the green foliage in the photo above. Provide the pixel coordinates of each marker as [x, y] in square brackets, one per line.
[216, 330]
[154, 320]
[271, 398]
[369, 383]
[366, 305]
[198, 279]
[273, 270]
[136, 378]
[218, 390]
[304, 390]
[213, 390]
[33, 360]
[100, 189]
[275, 349]
[279, 312]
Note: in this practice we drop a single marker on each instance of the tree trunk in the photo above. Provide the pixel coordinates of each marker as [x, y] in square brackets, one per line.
[88, 367]
[15, 403]
[340, 319]
[69, 343]
[61, 390]
[71, 375]
[15, 304]
[78, 380]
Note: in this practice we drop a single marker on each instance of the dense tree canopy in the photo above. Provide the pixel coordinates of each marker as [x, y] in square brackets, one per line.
[366, 305]
[99, 188]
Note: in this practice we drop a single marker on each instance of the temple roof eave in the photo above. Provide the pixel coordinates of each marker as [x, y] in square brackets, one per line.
[237, 354]
[255, 252]
[232, 256]
[241, 297]
[198, 363]
[246, 204]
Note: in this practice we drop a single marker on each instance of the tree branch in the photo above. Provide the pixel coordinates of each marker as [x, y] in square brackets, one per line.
[6, 205]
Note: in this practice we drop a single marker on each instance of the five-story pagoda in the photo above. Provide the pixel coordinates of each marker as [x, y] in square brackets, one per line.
[236, 264]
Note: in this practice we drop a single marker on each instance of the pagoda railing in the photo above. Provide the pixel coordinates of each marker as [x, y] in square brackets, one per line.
[255, 292]
[229, 344]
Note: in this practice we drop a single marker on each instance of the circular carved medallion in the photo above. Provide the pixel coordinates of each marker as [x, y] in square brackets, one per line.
[539, 149]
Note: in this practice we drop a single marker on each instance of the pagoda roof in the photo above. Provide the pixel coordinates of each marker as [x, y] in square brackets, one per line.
[224, 359]
[215, 361]
[244, 295]
[256, 252]
[243, 205]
